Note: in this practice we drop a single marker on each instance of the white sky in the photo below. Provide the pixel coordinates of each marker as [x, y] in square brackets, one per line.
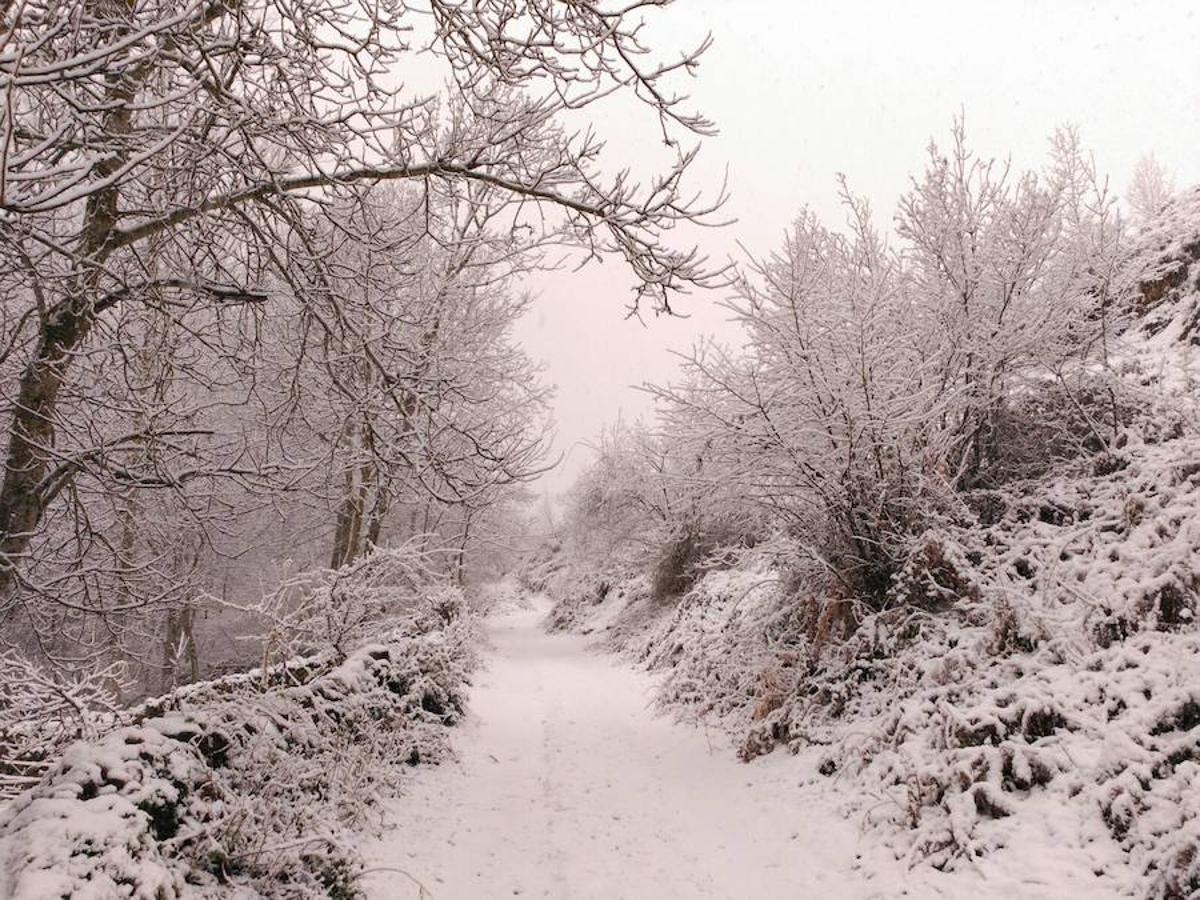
[803, 90]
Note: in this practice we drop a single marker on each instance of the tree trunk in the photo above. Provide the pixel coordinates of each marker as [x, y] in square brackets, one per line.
[23, 495]
[64, 328]
[461, 574]
[379, 511]
[345, 524]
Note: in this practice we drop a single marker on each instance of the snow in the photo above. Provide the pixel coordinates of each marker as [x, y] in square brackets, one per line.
[568, 785]
[182, 803]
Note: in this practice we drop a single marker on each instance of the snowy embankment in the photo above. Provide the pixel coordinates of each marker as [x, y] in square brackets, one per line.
[1032, 698]
[565, 783]
[249, 786]
[1025, 696]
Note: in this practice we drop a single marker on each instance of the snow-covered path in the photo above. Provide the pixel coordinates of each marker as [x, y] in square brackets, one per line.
[567, 785]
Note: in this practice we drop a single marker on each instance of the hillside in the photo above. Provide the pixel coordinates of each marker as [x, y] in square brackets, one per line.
[1034, 665]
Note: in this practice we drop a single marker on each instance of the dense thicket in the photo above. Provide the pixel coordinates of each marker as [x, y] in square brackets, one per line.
[882, 382]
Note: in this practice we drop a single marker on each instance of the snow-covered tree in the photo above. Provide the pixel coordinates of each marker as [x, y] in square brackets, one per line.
[180, 185]
[878, 380]
[1150, 189]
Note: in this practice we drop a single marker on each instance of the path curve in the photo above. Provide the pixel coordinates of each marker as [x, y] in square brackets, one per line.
[568, 785]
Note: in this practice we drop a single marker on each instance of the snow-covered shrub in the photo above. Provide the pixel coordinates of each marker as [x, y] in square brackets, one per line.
[42, 711]
[879, 378]
[246, 784]
[729, 646]
[540, 566]
[578, 597]
[1052, 422]
[1166, 265]
[677, 564]
[710, 538]
[503, 595]
[339, 609]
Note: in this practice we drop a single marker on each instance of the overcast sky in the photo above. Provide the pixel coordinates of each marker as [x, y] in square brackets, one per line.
[804, 90]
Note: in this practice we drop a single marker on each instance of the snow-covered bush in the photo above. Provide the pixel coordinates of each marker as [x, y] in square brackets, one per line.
[640, 524]
[1064, 650]
[41, 712]
[727, 645]
[246, 783]
[877, 380]
[338, 609]
[1168, 251]
[506, 595]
